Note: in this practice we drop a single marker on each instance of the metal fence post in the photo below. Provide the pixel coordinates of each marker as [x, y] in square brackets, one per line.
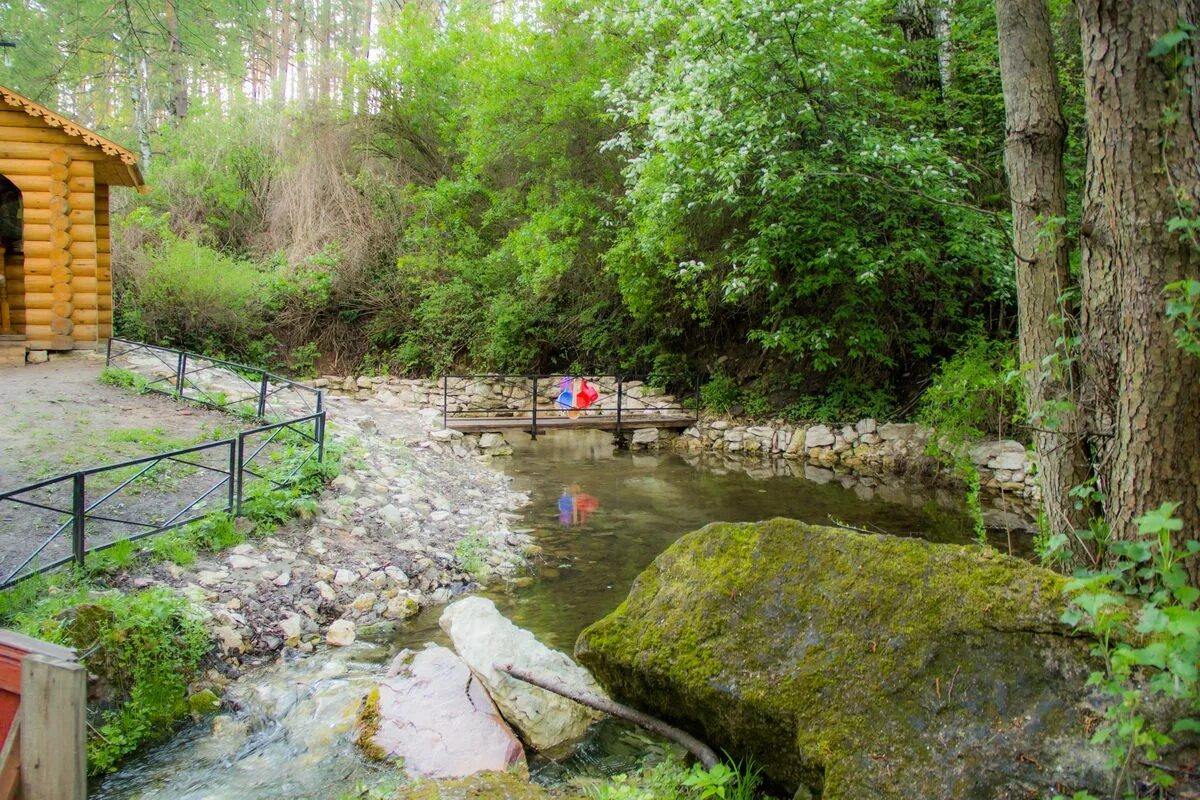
[180, 369]
[262, 396]
[445, 402]
[108, 353]
[241, 452]
[232, 474]
[533, 418]
[320, 421]
[78, 516]
[620, 395]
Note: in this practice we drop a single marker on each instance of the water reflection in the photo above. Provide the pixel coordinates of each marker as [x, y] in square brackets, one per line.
[574, 506]
[637, 504]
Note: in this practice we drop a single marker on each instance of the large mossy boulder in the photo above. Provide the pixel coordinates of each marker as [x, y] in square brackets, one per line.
[852, 666]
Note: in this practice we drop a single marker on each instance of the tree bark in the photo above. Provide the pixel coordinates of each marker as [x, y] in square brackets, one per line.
[175, 66]
[1143, 125]
[945, 46]
[1035, 136]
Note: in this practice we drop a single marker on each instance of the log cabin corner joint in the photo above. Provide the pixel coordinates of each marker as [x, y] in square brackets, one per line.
[55, 251]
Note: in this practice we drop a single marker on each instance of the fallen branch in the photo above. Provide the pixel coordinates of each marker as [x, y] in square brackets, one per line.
[703, 753]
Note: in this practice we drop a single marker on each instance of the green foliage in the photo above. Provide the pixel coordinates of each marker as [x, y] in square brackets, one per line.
[976, 392]
[144, 647]
[844, 399]
[185, 294]
[1145, 617]
[720, 393]
[671, 780]
[1183, 308]
[471, 555]
[126, 379]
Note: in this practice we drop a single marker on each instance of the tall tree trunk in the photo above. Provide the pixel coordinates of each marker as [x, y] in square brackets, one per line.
[325, 36]
[1033, 157]
[364, 90]
[175, 65]
[139, 79]
[1143, 123]
[285, 50]
[945, 45]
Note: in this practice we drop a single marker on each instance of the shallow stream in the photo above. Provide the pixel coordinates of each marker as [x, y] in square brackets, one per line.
[600, 515]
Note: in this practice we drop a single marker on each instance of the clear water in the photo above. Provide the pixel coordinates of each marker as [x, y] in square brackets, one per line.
[600, 515]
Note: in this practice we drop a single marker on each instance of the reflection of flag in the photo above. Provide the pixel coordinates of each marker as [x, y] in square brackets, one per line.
[574, 508]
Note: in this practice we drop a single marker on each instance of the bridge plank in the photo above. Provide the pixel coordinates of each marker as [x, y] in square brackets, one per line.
[601, 422]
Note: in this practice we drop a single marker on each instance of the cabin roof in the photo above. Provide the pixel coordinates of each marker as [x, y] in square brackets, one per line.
[126, 173]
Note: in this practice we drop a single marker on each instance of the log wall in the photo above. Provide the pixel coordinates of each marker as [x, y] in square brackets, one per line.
[61, 295]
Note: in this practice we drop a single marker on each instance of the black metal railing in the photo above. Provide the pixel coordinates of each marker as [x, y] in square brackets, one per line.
[250, 391]
[623, 399]
[93, 509]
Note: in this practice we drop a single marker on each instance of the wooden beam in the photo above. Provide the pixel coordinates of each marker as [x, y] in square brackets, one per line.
[54, 729]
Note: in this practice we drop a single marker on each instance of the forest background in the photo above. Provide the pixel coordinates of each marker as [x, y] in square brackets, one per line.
[803, 201]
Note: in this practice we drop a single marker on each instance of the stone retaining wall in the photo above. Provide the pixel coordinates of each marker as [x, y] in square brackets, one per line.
[864, 448]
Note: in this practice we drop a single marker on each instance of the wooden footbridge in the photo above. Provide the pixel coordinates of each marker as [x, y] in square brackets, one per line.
[499, 403]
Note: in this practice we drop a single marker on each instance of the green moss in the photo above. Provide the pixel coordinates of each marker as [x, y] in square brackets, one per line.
[203, 702]
[367, 726]
[484, 786]
[829, 656]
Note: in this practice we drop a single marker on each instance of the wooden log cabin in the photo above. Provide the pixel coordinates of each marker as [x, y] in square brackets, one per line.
[56, 287]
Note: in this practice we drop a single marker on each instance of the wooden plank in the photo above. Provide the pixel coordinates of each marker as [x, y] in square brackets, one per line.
[53, 738]
[77, 152]
[44, 135]
[41, 166]
[10, 763]
[602, 422]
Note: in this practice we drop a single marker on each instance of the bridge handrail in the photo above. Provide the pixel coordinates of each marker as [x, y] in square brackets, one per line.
[620, 381]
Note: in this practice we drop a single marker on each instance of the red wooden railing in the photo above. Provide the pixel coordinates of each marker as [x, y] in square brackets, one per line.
[57, 718]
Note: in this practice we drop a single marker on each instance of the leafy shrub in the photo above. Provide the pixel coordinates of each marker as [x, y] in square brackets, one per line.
[975, 392]
[188, 295]
[144, 647]
[844, 399]
[671, 780]
[720, 393]
[1145, 619]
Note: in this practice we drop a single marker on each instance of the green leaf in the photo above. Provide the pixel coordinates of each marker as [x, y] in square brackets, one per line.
[1168, 42]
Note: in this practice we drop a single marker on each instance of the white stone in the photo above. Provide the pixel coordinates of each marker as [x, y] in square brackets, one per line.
[437, 719]
[892, 431]
[645, 436]
[484, 638]
[345, 577]
[819, 436]
[291, 627]
[341, 633]
[865, 426]
[489, 441]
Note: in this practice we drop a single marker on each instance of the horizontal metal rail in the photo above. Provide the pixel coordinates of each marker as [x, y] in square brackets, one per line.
[616, 409]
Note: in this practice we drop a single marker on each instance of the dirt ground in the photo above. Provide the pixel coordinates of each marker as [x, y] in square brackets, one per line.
[57, 418]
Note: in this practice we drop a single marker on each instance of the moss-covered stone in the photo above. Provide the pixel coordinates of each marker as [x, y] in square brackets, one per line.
[203, 703]
[857, 666]
[484, 786]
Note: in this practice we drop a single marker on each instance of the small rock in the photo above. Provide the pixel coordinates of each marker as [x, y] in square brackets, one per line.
[340, 633]
[345, 577]
[819, 436]
[283, 580]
